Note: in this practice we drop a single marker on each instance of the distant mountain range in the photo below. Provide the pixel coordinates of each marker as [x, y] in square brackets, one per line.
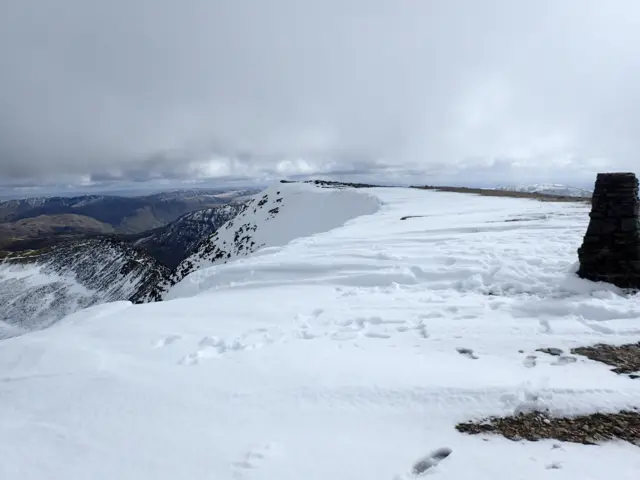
[549, 189]
[39, 222]
[59, 255]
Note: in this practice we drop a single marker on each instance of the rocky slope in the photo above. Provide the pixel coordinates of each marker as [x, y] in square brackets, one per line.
[39, 288]
[174, 242]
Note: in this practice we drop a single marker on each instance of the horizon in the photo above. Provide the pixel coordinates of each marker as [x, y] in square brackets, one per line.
[456, 93]
[136, 190]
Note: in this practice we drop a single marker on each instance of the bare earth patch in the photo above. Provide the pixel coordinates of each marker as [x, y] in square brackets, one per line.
[587, 429]
[625, 358]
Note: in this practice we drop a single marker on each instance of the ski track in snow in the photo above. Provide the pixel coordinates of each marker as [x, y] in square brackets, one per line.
[347, 354]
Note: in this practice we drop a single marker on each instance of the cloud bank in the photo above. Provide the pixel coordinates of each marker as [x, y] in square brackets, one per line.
[408, 90]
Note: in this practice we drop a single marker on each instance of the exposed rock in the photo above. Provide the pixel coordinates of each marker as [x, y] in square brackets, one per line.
[586, 429]
[625, 358]
[334, 184]
[610, 251]
[39, 288]
[556, 352]
[174, 242]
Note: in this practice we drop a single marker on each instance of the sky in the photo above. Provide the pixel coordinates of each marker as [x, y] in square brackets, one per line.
[468, 92]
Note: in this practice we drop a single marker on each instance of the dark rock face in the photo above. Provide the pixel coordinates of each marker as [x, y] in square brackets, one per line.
[174, 242]
[610, 251]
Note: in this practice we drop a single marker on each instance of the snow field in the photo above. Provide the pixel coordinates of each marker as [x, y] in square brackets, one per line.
[351, 353]
[273, 218]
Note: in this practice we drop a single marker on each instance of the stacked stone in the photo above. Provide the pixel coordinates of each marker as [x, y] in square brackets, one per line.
[610, 251]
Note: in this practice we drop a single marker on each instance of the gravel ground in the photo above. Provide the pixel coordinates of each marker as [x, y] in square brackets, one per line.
[625, 358]
[588, 429]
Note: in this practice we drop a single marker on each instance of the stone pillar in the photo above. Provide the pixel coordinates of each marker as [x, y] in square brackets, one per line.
[610, 251]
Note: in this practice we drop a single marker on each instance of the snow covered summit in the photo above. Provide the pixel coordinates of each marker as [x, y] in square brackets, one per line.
[281, 213]
[352, 353]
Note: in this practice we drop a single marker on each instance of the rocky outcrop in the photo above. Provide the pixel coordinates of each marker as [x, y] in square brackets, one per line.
[610, 251]
[39, 288]
[174, 242]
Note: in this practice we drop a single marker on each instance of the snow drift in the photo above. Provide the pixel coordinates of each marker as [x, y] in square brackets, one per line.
[336, 356]
[281, 213]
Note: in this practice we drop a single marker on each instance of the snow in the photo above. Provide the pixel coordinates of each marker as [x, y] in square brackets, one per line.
[335, 356]
[37, 291]
[549, 189]
[273, 218]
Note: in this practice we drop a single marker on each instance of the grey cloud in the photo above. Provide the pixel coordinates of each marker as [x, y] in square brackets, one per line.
[146, 89]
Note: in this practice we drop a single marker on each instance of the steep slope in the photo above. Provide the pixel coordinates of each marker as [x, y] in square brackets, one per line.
[39, 288]
[348, 355]
[174, 242]
[272, 218]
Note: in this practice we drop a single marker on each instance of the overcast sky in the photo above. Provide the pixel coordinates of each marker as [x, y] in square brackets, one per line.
[471, 91]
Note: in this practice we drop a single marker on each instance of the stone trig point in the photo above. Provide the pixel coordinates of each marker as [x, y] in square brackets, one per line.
[610, 251]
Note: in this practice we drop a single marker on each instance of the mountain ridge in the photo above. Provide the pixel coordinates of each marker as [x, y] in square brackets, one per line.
[273, 218]
[124, 214]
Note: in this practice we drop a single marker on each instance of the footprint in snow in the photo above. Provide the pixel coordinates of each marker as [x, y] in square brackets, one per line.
[565, 360]
[163, 342]
[305, 334]
[377, 335]
[421, 329]
[425, 463]
[342, 336]
[545, 327]
[251, 460]
[211, 347]
[467, 352]
[530, 361]
[431, 460]
[305, 323]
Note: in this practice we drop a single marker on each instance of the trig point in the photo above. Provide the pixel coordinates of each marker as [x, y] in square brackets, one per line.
[610, 251]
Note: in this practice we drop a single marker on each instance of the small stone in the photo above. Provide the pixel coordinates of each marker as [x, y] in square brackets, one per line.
[551, 351]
